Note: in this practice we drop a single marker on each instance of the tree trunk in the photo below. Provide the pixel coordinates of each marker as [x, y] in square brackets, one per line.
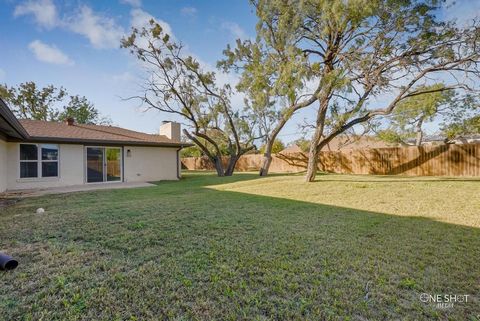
[267, 156]
[217, 161]
[231, 165]
[315, 143]
[267, 160]
[418, 130]
[312, 165]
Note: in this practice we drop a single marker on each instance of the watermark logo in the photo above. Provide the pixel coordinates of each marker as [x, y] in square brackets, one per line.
[444, 301]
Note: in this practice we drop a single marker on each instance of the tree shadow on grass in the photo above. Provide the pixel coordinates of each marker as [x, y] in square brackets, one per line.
[183, 250]
[202, 180]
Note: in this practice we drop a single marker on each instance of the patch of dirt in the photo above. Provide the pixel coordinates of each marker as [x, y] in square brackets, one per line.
[7, 201]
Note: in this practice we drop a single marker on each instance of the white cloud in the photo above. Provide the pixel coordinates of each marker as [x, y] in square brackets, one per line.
[3, 74]
[188, 11]
[133, 3]
[234, 29]
[44, 12]
[101, 31]
[49, 54]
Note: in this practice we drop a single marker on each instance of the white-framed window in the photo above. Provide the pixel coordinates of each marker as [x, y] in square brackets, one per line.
[38, 160]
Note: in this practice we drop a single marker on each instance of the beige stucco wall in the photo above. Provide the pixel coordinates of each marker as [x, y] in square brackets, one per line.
[144, 164]
[71, 168]
[147, 164]
[3, 165]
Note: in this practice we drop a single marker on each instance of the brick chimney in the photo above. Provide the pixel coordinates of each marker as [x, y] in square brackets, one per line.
[70, 121]
[171, 130]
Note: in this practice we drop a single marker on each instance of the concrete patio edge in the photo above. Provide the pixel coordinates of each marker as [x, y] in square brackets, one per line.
[72, 189]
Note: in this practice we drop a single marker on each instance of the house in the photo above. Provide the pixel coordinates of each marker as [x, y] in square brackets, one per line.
[441, 140]
[468, 139]
[291, 149]
[429, 140]
[41, 154]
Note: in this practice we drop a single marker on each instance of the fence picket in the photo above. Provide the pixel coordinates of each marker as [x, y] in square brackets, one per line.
[440, 160]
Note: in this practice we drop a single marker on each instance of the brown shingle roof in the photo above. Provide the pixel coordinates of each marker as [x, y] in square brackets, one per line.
[57, 131]
[292, 149]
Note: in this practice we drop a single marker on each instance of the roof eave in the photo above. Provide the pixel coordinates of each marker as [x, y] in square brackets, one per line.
[12, 121]
[40, 139]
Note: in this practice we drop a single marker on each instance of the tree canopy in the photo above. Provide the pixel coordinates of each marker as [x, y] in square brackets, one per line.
[462, 128]
[177, 83]
[50, 103]
[352, 60]
[277, 147]
[406, 123]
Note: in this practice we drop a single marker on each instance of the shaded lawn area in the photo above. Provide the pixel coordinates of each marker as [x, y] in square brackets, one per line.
[275, 248]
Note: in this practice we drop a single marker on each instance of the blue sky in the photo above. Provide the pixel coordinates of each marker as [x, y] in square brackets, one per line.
[75, 44]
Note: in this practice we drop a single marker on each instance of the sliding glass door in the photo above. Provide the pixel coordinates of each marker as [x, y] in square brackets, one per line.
[104, 164]
[114, 164]
[94, 164]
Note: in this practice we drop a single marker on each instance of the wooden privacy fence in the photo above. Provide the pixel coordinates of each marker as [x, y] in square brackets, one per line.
[113, 167]
[441, 160]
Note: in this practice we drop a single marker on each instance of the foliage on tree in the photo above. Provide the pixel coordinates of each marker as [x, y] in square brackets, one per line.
[462, 128]
[343, 56]
[177, 84]
[463, 121]
[191, 151]
[303, 144]
[28, 101]
[195, 151]
[277, 147]
[408, 119]
[83, 111]
[274, 73]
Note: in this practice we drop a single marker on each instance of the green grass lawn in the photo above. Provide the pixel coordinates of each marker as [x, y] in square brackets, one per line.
[276, 248]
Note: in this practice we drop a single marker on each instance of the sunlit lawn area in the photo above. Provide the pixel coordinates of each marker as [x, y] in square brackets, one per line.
[275, 248]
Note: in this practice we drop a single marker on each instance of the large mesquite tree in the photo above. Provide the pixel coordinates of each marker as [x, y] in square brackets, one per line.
[362, 58]
[371, 49]
[274, 72]
[176, 83]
